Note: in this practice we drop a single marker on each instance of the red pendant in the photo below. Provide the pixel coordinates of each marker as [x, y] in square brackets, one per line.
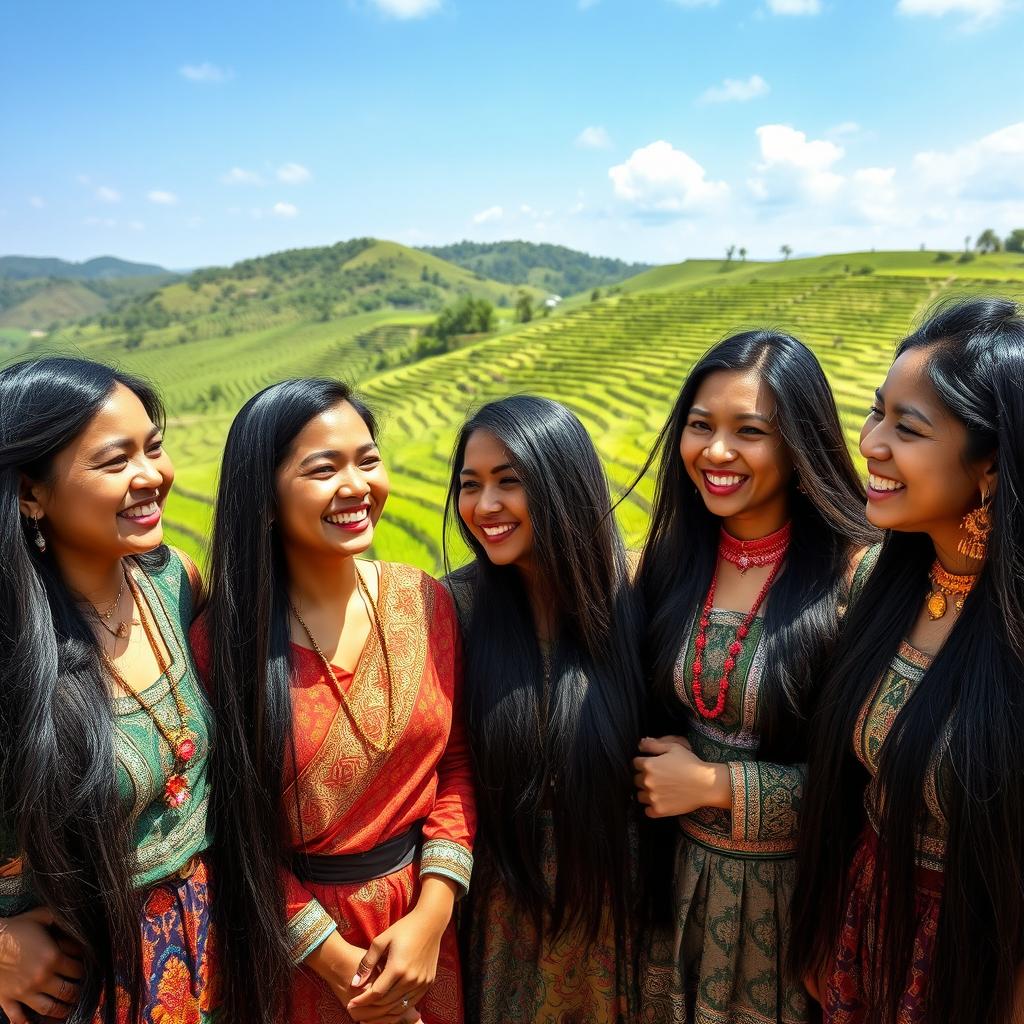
[185, 750]
[176, 791]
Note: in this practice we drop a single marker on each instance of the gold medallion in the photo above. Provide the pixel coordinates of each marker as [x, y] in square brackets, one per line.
[936, 605]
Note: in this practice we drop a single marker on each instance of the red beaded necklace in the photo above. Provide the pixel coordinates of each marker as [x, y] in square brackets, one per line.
[768, 550]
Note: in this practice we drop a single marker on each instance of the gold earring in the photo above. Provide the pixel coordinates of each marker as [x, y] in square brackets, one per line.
[976, 527]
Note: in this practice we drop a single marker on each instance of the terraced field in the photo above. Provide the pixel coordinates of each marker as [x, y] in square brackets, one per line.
[618, 363]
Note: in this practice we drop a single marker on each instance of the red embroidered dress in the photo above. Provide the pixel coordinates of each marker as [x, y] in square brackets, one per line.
[350, 799]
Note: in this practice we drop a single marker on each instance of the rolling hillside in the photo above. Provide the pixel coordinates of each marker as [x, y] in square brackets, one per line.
[618, 361]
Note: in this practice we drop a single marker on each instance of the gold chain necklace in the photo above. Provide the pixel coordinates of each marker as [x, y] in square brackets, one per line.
[181, 741]
[103, 618]
[946, 584]
[340, 691]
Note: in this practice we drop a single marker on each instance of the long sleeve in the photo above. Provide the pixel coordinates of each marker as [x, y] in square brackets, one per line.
[309, 925]
[450, 827]
[766, 801]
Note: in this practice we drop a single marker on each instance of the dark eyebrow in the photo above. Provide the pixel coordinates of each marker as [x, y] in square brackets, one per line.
[905, 410]
[697, 411]
[121, 444]
[333, 454]
[494, 472]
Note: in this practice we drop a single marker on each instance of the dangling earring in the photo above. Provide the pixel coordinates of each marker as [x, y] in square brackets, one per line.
[976, 526]
[39, 540]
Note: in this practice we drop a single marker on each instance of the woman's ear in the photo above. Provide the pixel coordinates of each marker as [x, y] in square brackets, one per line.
[989, 480]
[28, 503]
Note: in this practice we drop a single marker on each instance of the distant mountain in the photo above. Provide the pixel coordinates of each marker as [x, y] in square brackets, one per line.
[552, 268]
[102, 268]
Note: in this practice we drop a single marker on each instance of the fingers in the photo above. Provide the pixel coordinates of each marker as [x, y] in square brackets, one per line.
[651, 746]
[64, 990]
[679, 741]
[15, 1012]
[47, 1006]
[70, 967]
[41, 915]
[69, 947]
[370, 960]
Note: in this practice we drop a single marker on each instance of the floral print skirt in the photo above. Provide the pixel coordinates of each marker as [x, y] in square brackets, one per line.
[846, 998]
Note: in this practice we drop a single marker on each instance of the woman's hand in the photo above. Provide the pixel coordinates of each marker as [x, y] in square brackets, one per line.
[409, 950]
[38, 972]
[672, 779]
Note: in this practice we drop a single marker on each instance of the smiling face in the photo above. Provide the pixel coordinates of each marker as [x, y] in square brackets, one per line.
[918, 479]
[734, 454]
[332, 485]
[107, 489]
[492, 501]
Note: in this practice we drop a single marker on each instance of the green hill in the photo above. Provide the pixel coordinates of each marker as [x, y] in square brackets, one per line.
[553, 268]
[618, 362]
[101, 268]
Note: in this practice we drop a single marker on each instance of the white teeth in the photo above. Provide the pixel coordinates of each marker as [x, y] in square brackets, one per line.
[724, 481]
[499, 531]
[141, 511]
[347, 518]
[881, 483]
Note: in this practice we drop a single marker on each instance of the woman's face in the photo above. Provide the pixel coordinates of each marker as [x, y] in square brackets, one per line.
[492, 501]
[918, 479]
[734, 454]
[332, 485]
[107, 489]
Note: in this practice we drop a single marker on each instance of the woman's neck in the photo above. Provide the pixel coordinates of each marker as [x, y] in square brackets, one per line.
[94, 578]
[319, 582]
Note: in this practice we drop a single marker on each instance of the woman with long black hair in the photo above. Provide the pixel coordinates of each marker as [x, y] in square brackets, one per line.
[918, 916]
[757, 533]
[104, 731]
[342, 805]
[554, 699]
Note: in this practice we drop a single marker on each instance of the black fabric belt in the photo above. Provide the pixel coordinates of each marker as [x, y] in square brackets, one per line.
[353, 868]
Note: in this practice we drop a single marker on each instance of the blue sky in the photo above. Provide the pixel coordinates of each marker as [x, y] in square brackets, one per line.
[655, 130]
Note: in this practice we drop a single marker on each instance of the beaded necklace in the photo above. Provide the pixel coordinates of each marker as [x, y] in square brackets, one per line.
[770, 550]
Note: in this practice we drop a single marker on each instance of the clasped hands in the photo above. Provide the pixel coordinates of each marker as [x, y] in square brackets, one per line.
[672, 780]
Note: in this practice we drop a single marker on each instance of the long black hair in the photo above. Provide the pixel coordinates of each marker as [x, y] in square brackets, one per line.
[58, 786]
[576, 725]
[246, 620]
[973, 688]
[826, 503]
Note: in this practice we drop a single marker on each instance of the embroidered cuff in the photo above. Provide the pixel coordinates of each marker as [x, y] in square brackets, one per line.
[309, 928]
[742, 798]
[443, 857]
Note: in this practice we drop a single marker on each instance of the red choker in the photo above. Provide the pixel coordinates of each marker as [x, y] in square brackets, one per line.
[770, 550]
[760, 551]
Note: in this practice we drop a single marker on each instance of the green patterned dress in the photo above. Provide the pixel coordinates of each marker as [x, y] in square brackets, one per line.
[735, 869]
[170, 871]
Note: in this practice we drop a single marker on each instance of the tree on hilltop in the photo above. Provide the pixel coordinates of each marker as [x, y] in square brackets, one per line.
[730, 252]
[786, 250]
[988, 241]
[743, 254]
[1015, 240]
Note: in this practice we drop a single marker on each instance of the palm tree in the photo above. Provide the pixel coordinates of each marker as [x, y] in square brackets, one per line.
[729, 252]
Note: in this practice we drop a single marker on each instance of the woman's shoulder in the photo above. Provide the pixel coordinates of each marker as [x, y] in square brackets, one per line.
[402, 578]
[862, 562]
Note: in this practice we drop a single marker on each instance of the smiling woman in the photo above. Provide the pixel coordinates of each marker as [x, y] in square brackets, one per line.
[105, 731]
[343, 812]
[756, 530]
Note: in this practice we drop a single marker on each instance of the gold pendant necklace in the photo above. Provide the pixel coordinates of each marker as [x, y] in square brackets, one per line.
[946, 585]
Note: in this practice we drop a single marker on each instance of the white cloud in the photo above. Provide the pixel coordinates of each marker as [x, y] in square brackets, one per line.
[37, 202]
[285, 210]
[663, 182]
[989, 169]
[794, 6]
[594, 137]
[976, 10]
[240, 176]
[205, 72]
[162, 198]
[736, 90]
[293, 174]
[874, 195]
[844, 129]
[405, 9]
[793, 166]
[492, 213]
[105, 194]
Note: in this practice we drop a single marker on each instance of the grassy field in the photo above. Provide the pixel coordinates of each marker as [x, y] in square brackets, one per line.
[617, 362]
